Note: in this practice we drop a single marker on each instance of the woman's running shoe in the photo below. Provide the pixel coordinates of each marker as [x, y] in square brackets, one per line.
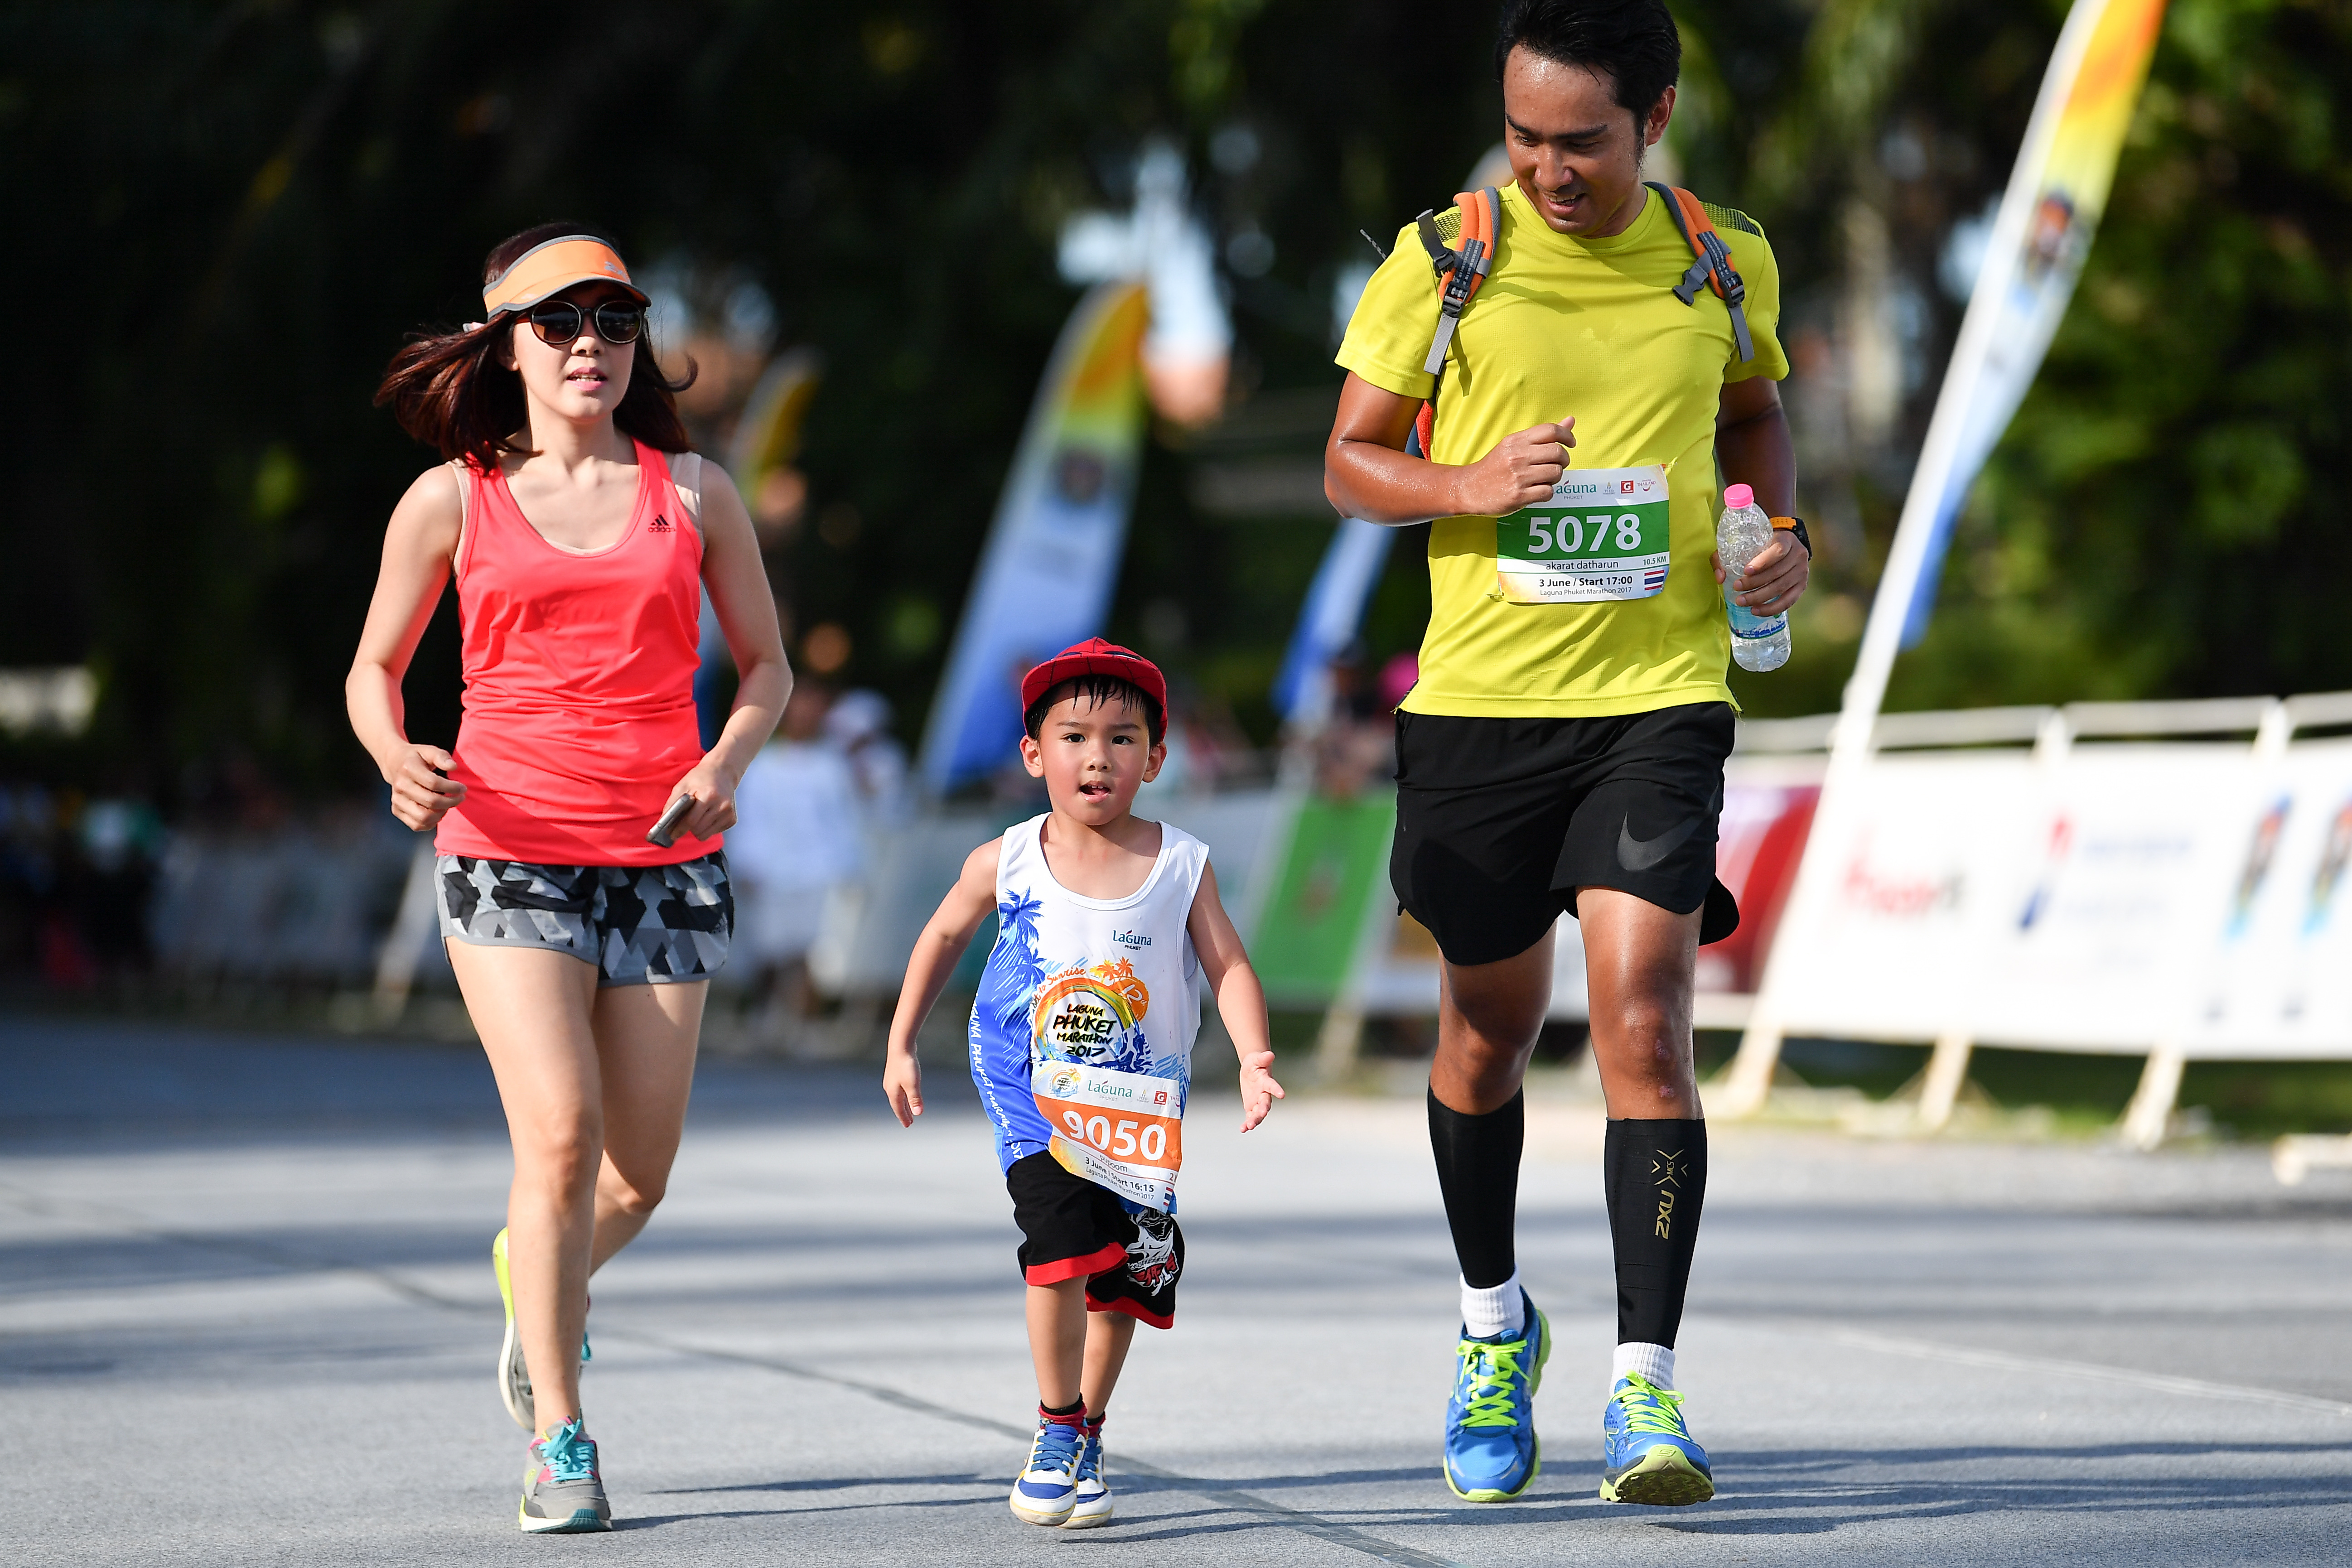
[514, 1375]
[1491, 1449]
[563, 1493]
[1091, 1503]
[1647, 1455]
[1048, 1488]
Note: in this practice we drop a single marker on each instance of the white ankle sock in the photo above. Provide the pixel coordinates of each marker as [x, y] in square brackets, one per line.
[1655, 1363]
[1499, 1310]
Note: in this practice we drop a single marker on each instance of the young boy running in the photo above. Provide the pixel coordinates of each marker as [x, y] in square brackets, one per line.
[1082, 1041]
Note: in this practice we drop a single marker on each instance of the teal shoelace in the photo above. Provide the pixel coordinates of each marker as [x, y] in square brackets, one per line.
[1490, 1371]
[1649, 1408]
[569, 1453]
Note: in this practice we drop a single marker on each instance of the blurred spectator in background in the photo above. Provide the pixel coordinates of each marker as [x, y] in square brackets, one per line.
[797, 836]
[109, 883]
[1357, 745]
[1206, 750]
[858, 726]
[76, 877]
[1398, 678]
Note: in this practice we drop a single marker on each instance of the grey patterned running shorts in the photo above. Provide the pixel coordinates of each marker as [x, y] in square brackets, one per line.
[639, 925]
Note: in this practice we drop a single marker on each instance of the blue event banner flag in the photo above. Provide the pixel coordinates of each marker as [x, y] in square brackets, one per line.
[1053, 553]
[2040, 239]
[1331, 617]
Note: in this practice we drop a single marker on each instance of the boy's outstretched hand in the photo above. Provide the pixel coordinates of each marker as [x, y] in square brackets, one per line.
[902, 1084]
[1259, 1092]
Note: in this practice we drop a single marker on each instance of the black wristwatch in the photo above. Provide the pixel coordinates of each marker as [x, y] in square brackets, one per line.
[1796, 525]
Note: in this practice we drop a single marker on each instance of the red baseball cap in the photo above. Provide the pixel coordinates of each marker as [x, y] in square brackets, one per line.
[1096, 657]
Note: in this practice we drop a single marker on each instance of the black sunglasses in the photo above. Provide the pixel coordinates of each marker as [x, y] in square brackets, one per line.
[559, 322]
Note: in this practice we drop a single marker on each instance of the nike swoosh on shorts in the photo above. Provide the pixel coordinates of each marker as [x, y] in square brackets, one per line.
[1641, 854]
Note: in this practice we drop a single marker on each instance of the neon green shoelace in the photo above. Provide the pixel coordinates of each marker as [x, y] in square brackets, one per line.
[1491, 1370]
[1649, 1408]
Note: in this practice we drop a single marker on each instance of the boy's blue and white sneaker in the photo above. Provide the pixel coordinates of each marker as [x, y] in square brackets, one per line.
[1092, 1506]
[564, 1490]
[1491, 1450]
[1048, 1487]
[1646, 1452]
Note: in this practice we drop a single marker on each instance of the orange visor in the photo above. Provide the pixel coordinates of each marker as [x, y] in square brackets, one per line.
[553, 265]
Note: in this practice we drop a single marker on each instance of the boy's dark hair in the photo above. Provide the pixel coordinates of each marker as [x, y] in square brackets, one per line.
[1633, 43]
[1099, 689]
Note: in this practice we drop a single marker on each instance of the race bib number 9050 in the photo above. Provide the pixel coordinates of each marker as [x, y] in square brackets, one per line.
[1123, 1131]
[1602, 535]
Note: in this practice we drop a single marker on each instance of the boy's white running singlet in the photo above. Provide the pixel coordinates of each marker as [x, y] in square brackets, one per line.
[1082, 1033]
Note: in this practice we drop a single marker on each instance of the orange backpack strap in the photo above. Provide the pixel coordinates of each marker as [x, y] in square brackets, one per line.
[1710, 264]
[1463, 268]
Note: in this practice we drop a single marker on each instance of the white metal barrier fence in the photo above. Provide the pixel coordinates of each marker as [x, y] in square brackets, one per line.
[2084, 878]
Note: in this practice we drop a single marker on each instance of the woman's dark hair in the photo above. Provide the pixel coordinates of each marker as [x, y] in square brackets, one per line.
[449, 391]
[1633, 43]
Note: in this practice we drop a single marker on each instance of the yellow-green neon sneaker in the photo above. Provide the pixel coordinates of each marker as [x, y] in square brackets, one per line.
[1647, 1454]
[514, 1375]
[1492, 1453]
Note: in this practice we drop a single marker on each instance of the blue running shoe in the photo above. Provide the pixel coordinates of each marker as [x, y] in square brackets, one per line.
[1048, 1488]
[1491, 1451]
[1646, 1452]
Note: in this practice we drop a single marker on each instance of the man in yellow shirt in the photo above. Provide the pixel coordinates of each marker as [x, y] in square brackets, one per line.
[1564, 747]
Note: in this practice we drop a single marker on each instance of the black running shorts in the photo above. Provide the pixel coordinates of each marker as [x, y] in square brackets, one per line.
[1130, 1256]
[1499, 821]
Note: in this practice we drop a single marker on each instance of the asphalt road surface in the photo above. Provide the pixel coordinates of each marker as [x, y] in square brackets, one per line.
[246, 1316]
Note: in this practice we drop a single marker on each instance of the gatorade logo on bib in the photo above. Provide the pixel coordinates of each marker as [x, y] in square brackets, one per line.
[1603, 535]
[1119, 1128]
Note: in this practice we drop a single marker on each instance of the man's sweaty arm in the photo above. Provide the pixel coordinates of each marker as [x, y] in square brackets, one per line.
[1753, 448]
[1366, 473]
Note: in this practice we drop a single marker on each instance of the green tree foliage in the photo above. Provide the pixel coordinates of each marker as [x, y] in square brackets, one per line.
[229, 214]
[226, 215]
[2161, 520]
[2156, 522]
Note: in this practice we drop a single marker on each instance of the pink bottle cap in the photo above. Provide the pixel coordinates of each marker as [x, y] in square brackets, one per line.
[1736, 496]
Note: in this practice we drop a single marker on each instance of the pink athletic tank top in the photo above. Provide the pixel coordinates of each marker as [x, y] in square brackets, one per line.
[579, 681]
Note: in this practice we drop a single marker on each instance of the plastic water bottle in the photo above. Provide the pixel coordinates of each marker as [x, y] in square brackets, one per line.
[1740, 536]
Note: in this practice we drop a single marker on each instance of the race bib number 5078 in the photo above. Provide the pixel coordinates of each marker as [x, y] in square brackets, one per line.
[1602, 535]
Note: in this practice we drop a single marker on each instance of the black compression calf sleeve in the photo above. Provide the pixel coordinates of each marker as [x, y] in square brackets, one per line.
[1478, 1173]
[1656, 1173]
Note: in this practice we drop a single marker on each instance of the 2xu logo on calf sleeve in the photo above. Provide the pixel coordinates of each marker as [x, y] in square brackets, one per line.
[1667, 1173]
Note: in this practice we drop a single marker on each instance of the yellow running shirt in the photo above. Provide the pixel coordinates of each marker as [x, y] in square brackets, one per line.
[1589, 328]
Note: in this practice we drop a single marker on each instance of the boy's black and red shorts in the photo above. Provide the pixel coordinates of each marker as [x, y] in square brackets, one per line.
[1129, 1255]
[1500, 821]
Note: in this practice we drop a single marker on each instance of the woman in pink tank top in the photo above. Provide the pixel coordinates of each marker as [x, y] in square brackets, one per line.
[581, 534]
